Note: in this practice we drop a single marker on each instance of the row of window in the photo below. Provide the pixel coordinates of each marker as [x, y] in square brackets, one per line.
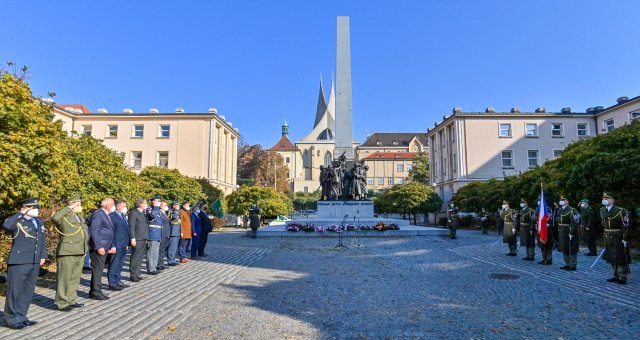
[533, 158]
[162, 159]
[390, 180]
[531, 129]
[137, 130]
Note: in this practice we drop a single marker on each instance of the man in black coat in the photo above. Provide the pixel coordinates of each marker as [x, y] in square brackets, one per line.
[139, 231]
[28, 253]
[166, 234]
[100, 244]
[206, 228]
[121, 239]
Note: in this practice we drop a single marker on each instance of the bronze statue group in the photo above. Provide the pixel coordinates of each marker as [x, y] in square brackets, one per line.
[336, 183]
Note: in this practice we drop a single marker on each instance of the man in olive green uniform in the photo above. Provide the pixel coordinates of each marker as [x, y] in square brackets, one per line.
[615, 221]
[587, 229]
[509, 217]
[567, 220]
[454, 221]
[526, 221]
[70, 253]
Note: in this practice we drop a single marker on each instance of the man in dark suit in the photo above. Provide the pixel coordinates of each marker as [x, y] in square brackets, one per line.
[28, 253]
[100, 244]
[206, 228]
[121, 239]
[166, 234]
[139, 231]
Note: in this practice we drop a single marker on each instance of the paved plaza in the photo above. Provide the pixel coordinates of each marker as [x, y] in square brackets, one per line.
[397, 287]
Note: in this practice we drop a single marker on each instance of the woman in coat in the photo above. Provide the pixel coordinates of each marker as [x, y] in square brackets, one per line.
[185, 231]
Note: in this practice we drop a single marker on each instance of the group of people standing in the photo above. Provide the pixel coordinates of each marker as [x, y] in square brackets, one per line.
[166, 234]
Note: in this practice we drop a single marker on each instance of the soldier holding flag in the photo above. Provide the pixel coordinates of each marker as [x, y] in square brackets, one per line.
[545, 223]
[616, 237]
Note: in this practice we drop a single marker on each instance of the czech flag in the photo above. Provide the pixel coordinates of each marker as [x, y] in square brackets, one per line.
[543, 216]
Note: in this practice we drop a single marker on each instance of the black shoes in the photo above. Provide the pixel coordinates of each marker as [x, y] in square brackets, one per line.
[613, 279]
[591, 254]
[161, 268]
[173, 264]
[512, 254]
[66, 309]
[77, 305]
[115, 288]
[100, 297]
[29, 322]
[546, 263]
[529, 258]
[152, 273]
[134, 279]
[19, 325]
[568, 268]
[622, 281]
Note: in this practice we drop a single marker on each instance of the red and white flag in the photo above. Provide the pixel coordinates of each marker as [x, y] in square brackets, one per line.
[543, 216]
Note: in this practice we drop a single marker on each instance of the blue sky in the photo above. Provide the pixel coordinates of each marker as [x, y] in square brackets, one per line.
[257, 61]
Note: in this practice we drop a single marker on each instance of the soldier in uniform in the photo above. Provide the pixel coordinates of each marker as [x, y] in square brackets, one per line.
[484, 220]
[254, 219]
[546, 247]
[454, 220]
[615, 221]
[526, 221]
[587, 229]
[28, 253]
[73, 244]
[166, 234]
[509, 217]
[154, 217]
[174, 220]
[567, 221]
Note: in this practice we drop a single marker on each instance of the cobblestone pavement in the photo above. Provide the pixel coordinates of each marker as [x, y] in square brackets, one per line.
[420, 287]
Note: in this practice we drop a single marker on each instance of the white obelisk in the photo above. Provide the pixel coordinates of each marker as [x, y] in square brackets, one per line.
[344, 132]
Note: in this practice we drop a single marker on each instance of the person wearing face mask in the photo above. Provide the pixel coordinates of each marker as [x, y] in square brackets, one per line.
[28, 253]
[509, 217]
[154, 217]
[72, 247]
[185, 231]
[567, 219]
[139, 231]
[207, 227]
[196, 227]
[587, 229]
[166, 234]
[484, 220]
[546, 247]
[616, 223]
[454, 220]
[526, 219]
[174, 240]
[122, 239]
[100, 244]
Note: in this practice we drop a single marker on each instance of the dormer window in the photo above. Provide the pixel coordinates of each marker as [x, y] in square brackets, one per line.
[378, 143]
[395, 143]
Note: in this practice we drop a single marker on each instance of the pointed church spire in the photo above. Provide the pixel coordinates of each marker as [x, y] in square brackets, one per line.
[322, 105]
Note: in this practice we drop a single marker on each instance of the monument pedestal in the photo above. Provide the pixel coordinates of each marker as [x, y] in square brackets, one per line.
[339, 209]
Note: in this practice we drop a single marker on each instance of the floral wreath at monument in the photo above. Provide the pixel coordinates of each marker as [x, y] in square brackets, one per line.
[310, 227]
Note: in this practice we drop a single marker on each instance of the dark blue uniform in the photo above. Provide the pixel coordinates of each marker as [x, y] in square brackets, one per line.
[195, 230]
[121, 240]
[101, 231]
[164, 243]
[154, 217]
[205, 222]
[28, 247]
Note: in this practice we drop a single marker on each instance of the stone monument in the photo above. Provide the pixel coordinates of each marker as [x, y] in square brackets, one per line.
[343, 134]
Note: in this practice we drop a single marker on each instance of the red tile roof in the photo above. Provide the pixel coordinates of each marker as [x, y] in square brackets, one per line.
[284, 144]
[390, 155]
[74, 106]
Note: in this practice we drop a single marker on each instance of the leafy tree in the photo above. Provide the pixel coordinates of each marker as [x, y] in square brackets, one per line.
[248, 156]
[306, 201]
[420, 170]
[171, 185]
[410, 198]
[272, 170]
[270, 201]
[211, 193]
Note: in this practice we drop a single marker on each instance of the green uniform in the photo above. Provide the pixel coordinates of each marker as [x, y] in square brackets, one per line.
[526, 221]
[616, 230]
[567, 220]
[587, 229]
[69, 255]
[509, 217]
[454, 222]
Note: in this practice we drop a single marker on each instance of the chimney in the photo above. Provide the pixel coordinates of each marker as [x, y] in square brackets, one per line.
[154, 111]
[489, 109]
[566, 110]
[622, 100]
[102, 110]
[541, 109]
[457, 109]
[213, 111]
[229, 124]
[598, 109]
[179, 111]
[127, 111]
[515, 109]
[222, 117]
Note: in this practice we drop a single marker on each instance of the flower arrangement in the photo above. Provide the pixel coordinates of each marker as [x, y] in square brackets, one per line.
[309, 227]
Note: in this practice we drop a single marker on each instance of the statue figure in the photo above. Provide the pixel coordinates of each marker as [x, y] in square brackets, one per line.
[363, 183]
[356, 185]
[336, 176]
[325, 183]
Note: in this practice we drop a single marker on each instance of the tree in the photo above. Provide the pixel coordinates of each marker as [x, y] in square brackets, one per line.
[271, 202]
[248, 156]
[211, 193]
[420, 170]
[171, 185]
[272, 172]
[305, 200]
[410, 198]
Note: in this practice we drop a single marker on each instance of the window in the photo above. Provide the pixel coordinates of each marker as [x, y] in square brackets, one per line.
[609, 125]
[634, 115]
[390, 180]
[380, 181]
[86, 130]
[400, 181]
[163, 159]
[112, 131]
[305, 159]
[306, 190]
[531, 130]
[288, 160]
[505, 130]
[400, 168]
[327, 159]
[557, 130]
[507, 158]
[164, 131]
[409, 167]
[138, 131]
[370, 181]
[557, 153]
[136, 159]
[583, 129]
[532, 157]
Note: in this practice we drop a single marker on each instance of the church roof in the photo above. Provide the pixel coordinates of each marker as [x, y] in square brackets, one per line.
[390, 155]
[397, 139]
[324, 125]
[322, 105]
[284, 144]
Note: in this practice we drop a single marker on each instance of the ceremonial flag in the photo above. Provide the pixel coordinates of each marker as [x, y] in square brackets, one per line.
[543, 216]
[217, 208]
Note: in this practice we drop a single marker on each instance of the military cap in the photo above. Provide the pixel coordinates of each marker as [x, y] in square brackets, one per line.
[522, 200]
[505, 202]
[562, 198]
[31, 202]
[73, 199]
[156, 197]
[175, 203]
[584, 200]
[605, 195]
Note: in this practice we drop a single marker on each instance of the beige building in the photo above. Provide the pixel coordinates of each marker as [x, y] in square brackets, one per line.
[478, 146]
[199, 145]
[622, 113]
[292, 157]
